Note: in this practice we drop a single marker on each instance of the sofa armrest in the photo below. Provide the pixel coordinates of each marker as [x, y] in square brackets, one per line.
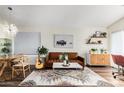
[80, 58]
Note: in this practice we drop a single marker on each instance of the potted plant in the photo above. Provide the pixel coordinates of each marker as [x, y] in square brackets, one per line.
[42, 51]
[64, 58]
[102, 51]
[93, 50]
[6, 51]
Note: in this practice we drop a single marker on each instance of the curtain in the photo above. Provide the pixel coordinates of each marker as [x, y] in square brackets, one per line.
[117, 43]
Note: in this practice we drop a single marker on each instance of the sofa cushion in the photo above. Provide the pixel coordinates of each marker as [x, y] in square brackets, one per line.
[52, 61]
[72, 55]
[54, 55]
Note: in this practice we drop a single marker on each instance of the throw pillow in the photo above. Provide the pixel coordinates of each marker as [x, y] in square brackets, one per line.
[60, 57]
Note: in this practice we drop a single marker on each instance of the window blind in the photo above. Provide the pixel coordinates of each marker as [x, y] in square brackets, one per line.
[117, 42]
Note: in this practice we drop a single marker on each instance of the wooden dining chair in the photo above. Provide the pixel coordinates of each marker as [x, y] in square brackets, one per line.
[3, 65]
[21, 66]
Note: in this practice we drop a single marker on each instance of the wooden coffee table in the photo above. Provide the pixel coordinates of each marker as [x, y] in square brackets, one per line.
[59, 65]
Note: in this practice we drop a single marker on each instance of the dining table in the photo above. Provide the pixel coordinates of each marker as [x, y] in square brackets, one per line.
[5, 62]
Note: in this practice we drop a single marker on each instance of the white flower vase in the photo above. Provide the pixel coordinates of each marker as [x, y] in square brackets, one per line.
[43, 55]
[64, 62]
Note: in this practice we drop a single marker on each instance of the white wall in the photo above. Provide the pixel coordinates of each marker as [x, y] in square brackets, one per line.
[3, 31]
[80, 35]
[2, 34]
[119, 25]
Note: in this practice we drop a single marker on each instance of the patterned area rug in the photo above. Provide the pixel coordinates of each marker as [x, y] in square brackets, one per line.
[64, 78]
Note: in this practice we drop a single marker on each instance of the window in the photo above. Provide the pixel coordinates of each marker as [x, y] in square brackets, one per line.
[117, 42]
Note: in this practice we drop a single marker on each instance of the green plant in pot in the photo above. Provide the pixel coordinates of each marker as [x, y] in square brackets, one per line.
[102, 51]
[42, 51]
[7, 44]
[93, 50]
[5, 51]
[64, 58]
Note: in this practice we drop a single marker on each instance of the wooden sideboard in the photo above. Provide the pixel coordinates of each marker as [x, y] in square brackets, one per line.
[98, 59]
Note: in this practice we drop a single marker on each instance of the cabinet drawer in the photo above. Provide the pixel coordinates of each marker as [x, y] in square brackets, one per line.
[93, 59]
[99, 59]
[107, 59]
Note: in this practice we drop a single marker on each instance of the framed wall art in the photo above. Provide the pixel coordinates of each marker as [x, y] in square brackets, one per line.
[63, 41]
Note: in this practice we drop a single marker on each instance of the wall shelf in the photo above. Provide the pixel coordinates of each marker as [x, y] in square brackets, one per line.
[97, 38]
[94, 43]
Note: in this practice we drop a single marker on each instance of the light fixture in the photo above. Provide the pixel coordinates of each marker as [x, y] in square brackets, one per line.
[10, 28]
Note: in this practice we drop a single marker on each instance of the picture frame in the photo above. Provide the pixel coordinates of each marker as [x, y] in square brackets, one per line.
[63, 41]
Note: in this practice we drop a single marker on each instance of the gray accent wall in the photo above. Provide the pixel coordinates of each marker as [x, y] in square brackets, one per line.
[27, 43]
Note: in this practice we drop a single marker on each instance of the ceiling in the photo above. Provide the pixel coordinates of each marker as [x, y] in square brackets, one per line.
[63, 15]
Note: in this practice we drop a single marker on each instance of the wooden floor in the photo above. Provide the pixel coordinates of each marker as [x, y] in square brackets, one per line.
[105, 72]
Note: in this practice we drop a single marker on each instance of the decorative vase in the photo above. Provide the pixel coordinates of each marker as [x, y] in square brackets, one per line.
[43, 55]
[64, 62]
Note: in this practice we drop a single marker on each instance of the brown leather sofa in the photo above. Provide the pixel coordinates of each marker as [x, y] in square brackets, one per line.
[54, 57]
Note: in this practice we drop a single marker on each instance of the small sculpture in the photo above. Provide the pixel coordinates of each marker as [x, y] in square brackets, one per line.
[103, 34]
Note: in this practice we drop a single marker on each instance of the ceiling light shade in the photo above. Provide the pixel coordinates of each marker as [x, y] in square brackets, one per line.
[8, 28]
[13, 29]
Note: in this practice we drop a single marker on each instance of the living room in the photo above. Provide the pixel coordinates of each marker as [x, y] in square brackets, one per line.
[74, 32]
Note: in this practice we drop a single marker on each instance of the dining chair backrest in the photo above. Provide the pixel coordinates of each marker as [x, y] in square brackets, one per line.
[24, 60]
[22, 65]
